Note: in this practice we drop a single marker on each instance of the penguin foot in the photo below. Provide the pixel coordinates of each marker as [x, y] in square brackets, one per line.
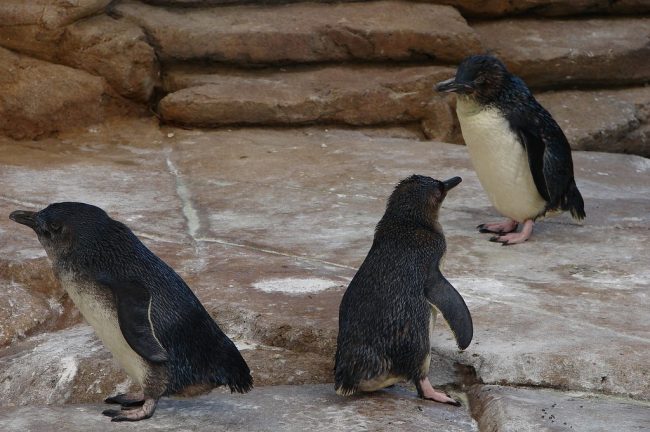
[133, 413]
[427, 392]
[515, 237]
[498, 227]
[126, 399]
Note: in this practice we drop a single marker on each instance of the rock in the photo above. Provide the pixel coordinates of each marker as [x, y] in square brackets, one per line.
[22, 312]
[200, 3]
[54, 368]
[114, 49]
[604, 120]
[48, 14]
[306, 32]
[482, 8]
[39, 98]
[559, 53]
[287, 408]
[532, 410]
[268, 226]
[353, 95]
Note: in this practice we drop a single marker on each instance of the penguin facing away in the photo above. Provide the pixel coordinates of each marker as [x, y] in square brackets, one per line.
[520, 154]
[388, 311]
[143, 311]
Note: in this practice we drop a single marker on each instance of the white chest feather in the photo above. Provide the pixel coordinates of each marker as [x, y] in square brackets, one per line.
[500, 161]
[98, 308]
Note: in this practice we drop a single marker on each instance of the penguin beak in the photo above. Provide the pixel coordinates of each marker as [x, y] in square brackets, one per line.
[451, 183]
[24, 217]
[451, 85]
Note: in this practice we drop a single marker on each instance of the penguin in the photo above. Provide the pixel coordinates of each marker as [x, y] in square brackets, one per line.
[519, 152]
[388, 311]
[143, 311]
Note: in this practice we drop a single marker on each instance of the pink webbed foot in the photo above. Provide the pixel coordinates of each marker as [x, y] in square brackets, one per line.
[426, 391]
[515, 237]
[504, 227]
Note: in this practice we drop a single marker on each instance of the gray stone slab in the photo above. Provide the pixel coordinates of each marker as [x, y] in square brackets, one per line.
[285, 408]
[505, 409]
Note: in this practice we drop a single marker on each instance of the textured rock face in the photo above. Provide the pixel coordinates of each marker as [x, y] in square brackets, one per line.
[38, 98]
[363, 95]
[494, 8]
[285, 408]
[531, 410]
[382, 30]
[48, 14]
[556, 53]
[103, 46]
[114, 49]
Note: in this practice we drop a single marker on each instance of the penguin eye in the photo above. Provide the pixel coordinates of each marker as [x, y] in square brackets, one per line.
[480, 80]
[55, 227]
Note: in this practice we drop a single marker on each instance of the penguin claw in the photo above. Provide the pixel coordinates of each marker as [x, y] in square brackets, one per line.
[111, 412]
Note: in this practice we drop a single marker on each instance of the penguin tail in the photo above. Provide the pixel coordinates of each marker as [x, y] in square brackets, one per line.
[574, 202]
[243, 384]
[239, 378]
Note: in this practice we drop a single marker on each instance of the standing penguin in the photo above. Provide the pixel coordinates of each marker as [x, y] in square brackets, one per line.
[387, 313]
[143, 311]
[520, 154]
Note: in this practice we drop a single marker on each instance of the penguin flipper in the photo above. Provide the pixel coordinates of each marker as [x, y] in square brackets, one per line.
[133, 300]
[549, 154]
[441, 294]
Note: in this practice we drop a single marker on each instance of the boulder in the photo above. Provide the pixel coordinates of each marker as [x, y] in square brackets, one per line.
[305, 32]
[559, 53]
[39, 98]
[114, 49]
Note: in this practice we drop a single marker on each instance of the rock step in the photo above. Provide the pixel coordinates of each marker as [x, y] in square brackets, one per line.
[560, 53]
[496, 8]
[614, 121]
[474, 8]
[500, 408]
[306, 32]
[353, 95]
[601, 120]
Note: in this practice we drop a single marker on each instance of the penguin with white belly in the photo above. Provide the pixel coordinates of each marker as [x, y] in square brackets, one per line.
[520, 154]
[143, 311]
[387, 314]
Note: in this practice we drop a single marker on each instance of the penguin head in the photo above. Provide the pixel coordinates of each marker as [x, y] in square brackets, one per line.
[62, 226]
[480, 77]
[418, 198]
